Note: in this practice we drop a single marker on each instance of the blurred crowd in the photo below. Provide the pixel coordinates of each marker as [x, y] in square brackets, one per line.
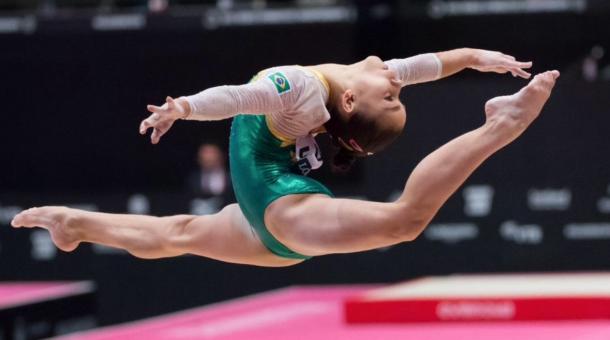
[49, 6]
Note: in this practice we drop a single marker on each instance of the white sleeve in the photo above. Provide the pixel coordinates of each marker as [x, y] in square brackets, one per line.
[417, 69]
[221, 102]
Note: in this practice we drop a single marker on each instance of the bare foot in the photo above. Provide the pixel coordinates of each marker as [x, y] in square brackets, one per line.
[514, 113]
[57, 220]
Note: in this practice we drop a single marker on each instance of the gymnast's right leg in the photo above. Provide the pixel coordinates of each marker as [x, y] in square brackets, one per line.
[318, 225]
[225, 236]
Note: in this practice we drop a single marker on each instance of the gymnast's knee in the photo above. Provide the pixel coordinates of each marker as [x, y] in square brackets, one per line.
[177, 236]
[410, 221]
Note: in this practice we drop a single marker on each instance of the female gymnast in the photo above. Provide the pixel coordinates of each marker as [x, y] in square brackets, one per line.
[283, 217]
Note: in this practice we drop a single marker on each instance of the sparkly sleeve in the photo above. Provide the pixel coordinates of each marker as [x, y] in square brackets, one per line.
[223, 102]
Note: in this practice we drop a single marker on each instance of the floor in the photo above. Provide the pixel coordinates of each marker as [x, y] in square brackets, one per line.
[317, 313]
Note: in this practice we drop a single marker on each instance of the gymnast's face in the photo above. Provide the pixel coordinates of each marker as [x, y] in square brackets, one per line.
[371, 115]
[376, 89]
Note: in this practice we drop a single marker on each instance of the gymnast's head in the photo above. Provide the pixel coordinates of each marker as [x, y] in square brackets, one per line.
[367, 114]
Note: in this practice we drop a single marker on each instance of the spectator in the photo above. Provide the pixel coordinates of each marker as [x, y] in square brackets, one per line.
[211, 179]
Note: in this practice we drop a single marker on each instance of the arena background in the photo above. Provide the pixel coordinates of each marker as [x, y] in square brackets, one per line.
[75, 82]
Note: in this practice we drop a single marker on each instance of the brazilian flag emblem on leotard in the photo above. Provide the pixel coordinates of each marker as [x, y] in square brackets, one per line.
[280, 81]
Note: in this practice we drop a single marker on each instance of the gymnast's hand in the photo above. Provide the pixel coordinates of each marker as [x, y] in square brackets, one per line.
[492, 61]
[163, 117]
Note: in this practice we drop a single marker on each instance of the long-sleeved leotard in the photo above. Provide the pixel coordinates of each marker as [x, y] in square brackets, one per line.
[294, 97]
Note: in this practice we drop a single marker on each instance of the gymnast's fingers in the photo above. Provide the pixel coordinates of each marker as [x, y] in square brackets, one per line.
[155, 136]
[151, 121]
[154, 108]
[521, 64]
[521, 73]
[145, 125]
[170, 103]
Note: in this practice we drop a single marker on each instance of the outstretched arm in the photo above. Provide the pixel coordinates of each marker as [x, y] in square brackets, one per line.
[457, 60]
[433, 66]
[215, 103]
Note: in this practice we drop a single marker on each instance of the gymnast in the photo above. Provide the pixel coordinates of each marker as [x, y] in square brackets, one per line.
[282, 216]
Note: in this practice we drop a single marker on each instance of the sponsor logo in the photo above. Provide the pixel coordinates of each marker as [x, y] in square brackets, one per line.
[451, 232]
[587, 231]
[478, 200]
[475, 310]
[549, 199]
[282, 85]
[521, 234]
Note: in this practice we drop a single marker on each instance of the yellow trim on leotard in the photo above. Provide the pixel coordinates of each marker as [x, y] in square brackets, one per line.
[322, 79]
[320, 76]
[286, 141]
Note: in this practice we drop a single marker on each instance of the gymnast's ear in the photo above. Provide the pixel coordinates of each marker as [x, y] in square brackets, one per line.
[347, 102]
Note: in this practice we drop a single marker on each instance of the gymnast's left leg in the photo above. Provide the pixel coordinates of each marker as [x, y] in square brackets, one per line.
[225, 236]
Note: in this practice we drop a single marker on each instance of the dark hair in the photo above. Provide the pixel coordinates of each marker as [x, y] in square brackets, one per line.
[342, 160]
[369, 132]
